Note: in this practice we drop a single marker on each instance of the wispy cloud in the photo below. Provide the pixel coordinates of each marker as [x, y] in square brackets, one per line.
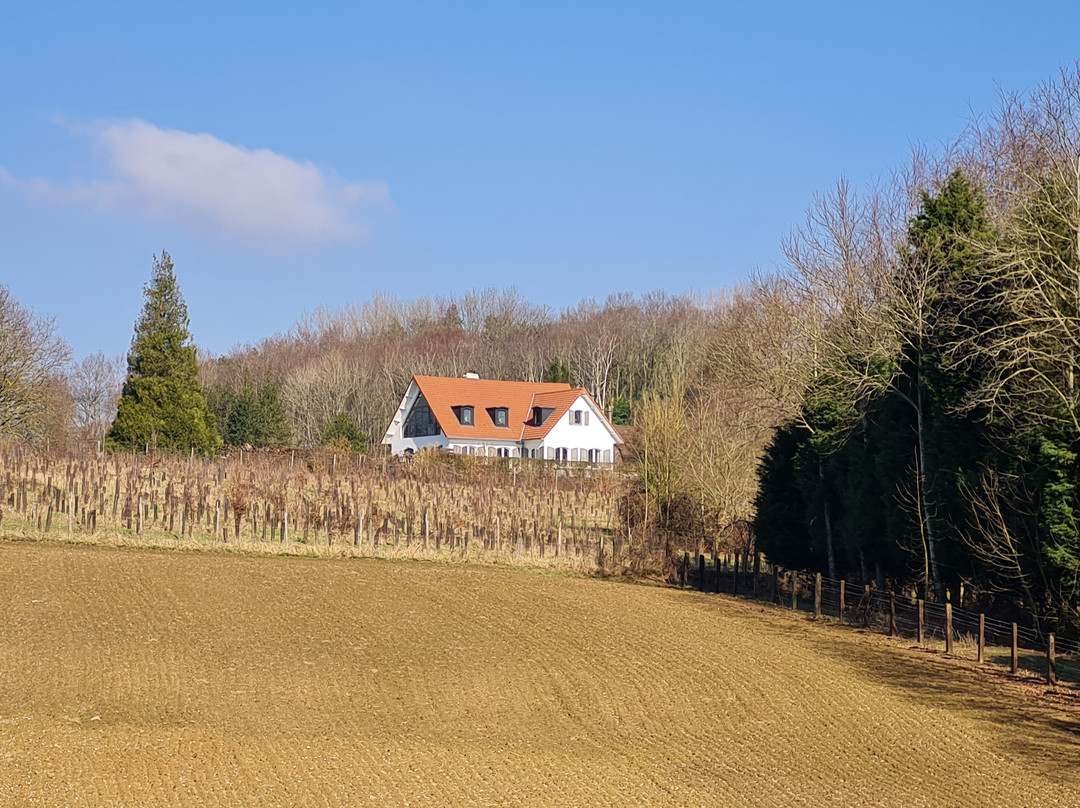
[198, 179]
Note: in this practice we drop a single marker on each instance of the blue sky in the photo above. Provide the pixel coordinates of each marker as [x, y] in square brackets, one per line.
[294, 156]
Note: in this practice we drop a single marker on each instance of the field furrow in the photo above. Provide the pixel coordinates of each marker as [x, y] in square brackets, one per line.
[143, 678]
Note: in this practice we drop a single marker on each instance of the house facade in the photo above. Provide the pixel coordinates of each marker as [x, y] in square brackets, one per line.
[489, 418]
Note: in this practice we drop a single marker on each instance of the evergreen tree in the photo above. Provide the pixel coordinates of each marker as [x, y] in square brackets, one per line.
[220, 398]
[162, 404]
[620, 411]
[945, 266]
[557, 372]
[249, 416]
[344, 430]
[244, 423]
[274, 426]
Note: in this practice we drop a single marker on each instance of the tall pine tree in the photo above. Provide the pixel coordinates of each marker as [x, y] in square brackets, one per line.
[162, 404]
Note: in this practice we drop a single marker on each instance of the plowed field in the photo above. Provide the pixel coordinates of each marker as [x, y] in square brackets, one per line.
[141, 678]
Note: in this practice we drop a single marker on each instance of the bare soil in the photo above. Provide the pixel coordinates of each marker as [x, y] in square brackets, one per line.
[156, 678]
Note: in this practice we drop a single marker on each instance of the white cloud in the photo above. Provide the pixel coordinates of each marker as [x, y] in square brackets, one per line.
[251, 194]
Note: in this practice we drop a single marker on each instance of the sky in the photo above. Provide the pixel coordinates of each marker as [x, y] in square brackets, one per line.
[295, 156]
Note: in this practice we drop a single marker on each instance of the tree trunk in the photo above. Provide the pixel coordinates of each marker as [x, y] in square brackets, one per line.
[924, 508]
[830, 552]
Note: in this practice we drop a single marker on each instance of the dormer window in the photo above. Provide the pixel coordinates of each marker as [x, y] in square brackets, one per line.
[541, 414]
[499, 416]
[464, 415]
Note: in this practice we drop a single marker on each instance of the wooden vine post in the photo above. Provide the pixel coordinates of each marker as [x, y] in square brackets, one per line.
[1051, 661]
[1014, 663]
[982, 637]
[948, 629]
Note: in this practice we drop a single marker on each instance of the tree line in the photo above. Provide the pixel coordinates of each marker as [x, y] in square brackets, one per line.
[937, 436]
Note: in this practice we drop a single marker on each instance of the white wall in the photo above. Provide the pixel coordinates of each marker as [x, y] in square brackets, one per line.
[398, 445]
[581, 437]
[485, 448]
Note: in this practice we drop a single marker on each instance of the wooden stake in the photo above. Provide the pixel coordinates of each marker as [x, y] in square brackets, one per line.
[1051, 661]
[921, 631]
[982, 636]
[843, 585]
[1014, 664]
[817, 595]
[948, 629]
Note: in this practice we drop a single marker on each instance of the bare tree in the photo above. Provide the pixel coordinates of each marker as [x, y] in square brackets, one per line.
[31, 357]
[1030, 157]
[95, 384]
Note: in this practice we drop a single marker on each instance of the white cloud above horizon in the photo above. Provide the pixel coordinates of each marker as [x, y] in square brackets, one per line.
[199, 180]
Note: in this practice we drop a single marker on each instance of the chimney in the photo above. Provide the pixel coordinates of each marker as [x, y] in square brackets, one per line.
[471, 375]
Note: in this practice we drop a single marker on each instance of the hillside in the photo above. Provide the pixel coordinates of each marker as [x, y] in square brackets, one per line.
[142, 678]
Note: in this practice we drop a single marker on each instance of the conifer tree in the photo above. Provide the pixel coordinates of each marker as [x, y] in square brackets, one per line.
[557, 371]
[274, 427]
[162, 404]
[344, 431]
[250, 416]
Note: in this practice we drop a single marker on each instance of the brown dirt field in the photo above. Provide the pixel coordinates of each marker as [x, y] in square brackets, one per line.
[149, 678]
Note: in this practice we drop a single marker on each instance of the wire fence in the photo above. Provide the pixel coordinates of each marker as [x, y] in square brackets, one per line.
[961, 633]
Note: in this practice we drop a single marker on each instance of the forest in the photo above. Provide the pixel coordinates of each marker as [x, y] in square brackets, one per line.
[898, 401]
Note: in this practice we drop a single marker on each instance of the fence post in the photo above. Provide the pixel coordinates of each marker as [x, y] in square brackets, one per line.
[948, 628]
[717, 582]
[794, 577]
[982, 636]
[683, 568]
[892, 614]
[735, 576]
[1015, 663]
[842, 604]
[757, 570]
[775, 584]
[1051, 662]
[817, 595]
[701, 572]
[921, 631]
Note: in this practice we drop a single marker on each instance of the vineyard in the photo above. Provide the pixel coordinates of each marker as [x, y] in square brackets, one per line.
[288, 502]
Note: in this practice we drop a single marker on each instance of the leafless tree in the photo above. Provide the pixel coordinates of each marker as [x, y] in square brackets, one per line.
[95, 384]
[31, 357]
[1029, 153]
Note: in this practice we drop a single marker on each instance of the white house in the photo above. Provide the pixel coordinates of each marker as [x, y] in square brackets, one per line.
[475, 416]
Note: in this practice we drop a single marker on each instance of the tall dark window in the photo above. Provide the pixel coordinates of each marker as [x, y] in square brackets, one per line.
[499, 416]
[464, 415]
[421, 421]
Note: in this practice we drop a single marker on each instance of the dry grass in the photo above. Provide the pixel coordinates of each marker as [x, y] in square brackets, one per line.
[143, 678]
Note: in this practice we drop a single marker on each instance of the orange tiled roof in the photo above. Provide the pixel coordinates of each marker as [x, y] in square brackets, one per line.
[443, 394]
[560, 401]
